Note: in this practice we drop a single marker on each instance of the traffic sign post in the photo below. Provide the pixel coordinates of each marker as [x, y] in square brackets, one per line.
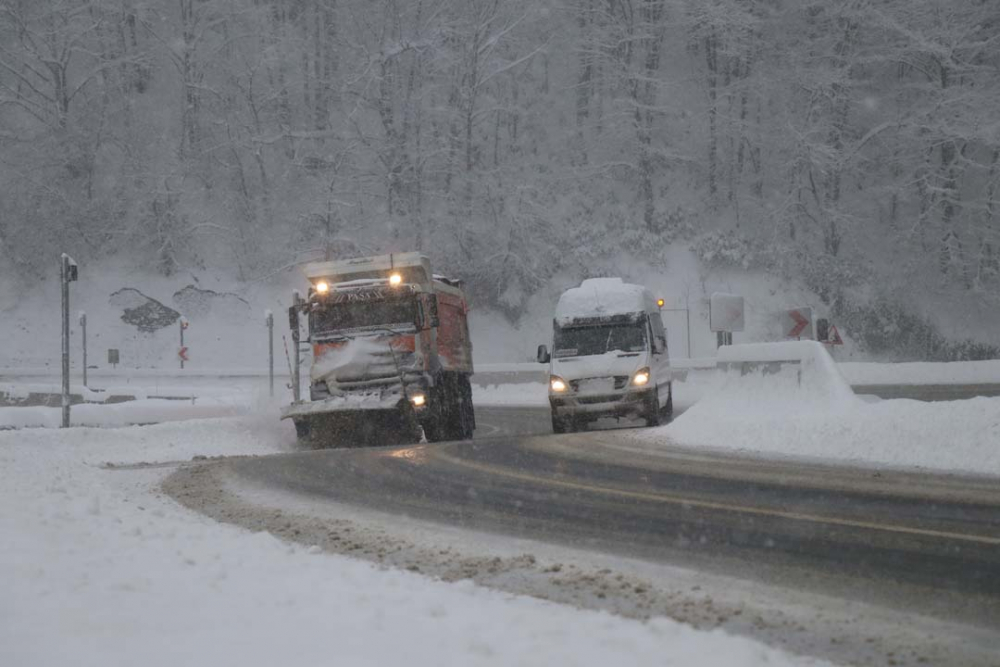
[68, 273]
[269, 321]
[182, 352]
[83, 331]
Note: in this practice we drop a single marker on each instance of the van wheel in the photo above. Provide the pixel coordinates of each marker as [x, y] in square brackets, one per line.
[558, 425]
[668, 409]
[653, 409]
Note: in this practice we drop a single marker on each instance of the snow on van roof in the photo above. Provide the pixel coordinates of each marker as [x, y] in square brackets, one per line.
[600, 297]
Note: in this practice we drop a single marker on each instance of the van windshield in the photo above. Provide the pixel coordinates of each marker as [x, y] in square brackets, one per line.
[584, 341]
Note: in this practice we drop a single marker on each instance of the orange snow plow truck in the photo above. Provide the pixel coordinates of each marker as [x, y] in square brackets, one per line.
[391, 354]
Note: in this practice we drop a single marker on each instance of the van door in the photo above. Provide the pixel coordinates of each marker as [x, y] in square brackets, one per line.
[660, 356]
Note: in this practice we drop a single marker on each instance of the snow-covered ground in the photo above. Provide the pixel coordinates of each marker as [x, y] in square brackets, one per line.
[820, 417]
[922, 373]
[102, 569]
[142, 411]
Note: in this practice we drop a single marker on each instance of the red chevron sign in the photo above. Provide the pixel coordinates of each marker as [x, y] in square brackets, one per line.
[800, 323]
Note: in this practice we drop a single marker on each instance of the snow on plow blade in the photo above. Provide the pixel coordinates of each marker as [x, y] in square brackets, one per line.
[353, 421]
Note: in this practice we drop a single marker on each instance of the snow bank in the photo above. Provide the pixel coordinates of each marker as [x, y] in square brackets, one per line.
[771, 410]
[100, 569]
[143, 411]
[798, 371]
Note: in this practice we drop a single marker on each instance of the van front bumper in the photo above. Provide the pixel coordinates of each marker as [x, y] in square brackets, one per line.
[625, 404]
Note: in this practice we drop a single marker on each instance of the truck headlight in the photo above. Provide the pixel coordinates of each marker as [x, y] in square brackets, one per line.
[418, 400]
[641, 377]
[557, 384]
[322, 287]
[395, 279]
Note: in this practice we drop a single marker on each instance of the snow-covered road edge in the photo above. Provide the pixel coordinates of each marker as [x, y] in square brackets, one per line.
[100, 568]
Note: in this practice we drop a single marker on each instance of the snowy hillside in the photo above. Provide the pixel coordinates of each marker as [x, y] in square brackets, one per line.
[850, 149]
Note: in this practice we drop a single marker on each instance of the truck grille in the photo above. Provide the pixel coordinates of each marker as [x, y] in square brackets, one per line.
[380, 374]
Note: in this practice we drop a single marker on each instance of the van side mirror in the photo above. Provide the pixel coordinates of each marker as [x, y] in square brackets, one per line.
[543, 355]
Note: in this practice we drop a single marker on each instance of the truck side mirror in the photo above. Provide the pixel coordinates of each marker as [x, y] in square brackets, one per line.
[293, 318]
[419, 318]
[543, 355]
[426, 316]
[432, 308]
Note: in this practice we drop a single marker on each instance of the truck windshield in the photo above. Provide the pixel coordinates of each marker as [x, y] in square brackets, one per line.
[334, 318]
[583, 341]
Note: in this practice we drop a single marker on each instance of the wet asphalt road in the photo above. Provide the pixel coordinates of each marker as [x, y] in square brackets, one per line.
[605, 492]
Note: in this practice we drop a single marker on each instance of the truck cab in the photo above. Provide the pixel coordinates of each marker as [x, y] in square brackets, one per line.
[609, 356]
[390, 347]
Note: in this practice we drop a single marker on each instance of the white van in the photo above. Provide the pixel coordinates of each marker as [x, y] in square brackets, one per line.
[609, 356]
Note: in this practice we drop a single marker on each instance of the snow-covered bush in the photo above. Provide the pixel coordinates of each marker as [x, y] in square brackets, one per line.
[726, 249]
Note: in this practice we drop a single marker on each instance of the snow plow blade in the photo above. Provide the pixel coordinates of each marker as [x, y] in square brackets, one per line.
[331, 424]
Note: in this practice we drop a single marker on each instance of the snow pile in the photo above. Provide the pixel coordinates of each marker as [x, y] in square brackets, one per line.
[777, 413]
[798, 371]
[99, 568]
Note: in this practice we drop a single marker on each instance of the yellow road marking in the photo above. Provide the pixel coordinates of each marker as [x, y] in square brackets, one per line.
[708, 504]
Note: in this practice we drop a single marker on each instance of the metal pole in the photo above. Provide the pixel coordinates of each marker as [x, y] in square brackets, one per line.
[64, 280]
[181, 352]
[270, 351]
[687, 314]
[296, 379]
[83, 330]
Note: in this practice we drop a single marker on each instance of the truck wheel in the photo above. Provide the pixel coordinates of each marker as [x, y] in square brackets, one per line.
[433, 430]
[462, 418]
[303, 430]
[653, 409]
[470, 408]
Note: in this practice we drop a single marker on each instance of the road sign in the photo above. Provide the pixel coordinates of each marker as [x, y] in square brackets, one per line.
[834, 337]
[183, 354]
[797, 323]
[725, 312]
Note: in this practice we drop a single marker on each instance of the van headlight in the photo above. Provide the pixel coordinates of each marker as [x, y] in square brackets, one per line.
[557, 384]
[641, 377]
